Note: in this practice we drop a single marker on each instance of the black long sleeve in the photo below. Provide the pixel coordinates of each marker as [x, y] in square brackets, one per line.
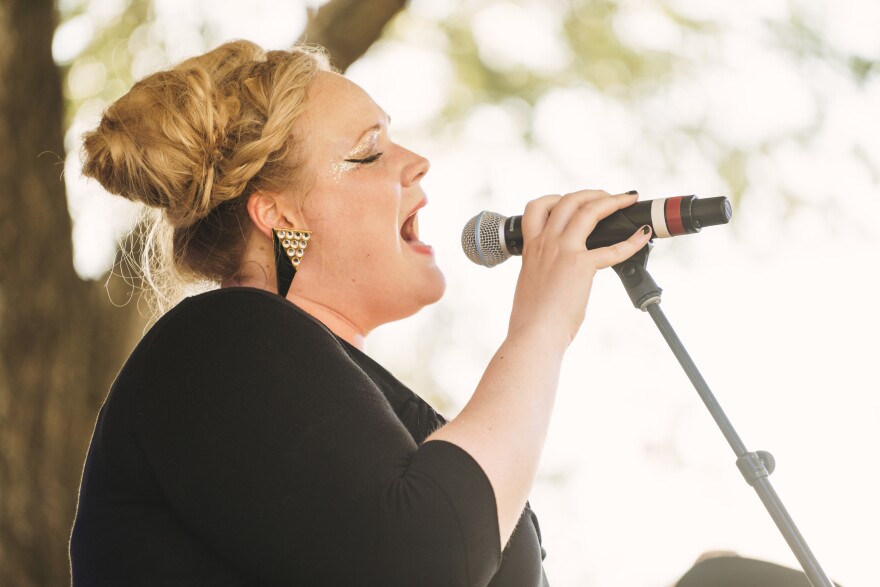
[244, 444]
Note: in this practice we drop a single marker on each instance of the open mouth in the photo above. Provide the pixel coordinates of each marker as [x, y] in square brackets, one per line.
[409, 232]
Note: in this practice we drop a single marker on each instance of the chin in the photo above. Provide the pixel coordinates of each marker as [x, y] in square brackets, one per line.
[438, 287]
[430, 292]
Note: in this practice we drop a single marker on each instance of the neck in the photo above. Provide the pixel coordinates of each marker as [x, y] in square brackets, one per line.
[253, 274]
[259, 272]
[338, 324]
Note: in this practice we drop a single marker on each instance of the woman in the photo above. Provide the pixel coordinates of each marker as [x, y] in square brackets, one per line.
[248, 439]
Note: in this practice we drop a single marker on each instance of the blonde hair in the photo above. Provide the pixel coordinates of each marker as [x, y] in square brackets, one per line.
[193, 143]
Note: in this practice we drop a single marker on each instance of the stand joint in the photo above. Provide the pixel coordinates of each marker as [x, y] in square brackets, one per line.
[754, 465]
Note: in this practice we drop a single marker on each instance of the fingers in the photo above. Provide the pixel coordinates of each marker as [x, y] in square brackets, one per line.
[557, 267]
[535, 216]
[554, 214]
[585, 218]
[620, 252]
[571, 219]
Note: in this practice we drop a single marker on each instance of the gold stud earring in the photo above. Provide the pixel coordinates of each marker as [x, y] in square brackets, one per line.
[290, 246]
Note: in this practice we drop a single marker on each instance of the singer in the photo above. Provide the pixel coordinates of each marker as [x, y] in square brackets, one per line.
[248, 439]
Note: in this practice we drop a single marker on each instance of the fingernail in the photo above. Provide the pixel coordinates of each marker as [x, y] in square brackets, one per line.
[646, 229]
[632, 192]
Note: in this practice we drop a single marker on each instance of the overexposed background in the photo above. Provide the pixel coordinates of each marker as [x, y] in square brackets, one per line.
[774, 104]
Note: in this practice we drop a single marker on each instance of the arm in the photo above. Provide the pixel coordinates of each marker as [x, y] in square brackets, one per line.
[504, 425]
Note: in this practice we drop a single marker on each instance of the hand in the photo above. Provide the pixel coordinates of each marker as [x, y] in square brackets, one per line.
[557, 269]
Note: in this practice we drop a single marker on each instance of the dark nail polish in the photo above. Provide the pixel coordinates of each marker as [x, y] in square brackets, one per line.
[646, 229]
[632, 192]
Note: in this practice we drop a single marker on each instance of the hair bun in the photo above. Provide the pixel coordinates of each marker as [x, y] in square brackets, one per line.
[163, 142]
[211, 130]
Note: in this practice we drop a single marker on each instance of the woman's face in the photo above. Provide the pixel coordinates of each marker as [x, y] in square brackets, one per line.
[365, 261]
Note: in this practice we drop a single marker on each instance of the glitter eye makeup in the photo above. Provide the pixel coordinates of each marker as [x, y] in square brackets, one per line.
[366, 145]
[358, 156]
[337, 168]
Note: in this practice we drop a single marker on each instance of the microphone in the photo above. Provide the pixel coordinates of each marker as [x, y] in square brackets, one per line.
[490, 238]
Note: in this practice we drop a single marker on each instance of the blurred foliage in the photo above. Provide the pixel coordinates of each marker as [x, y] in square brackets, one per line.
[603, 59]
[103, 70]
[597, 55]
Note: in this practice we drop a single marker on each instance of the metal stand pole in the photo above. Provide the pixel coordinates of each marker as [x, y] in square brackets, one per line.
[755, 467]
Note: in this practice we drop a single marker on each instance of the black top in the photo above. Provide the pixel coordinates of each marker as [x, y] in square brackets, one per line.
[243, 443]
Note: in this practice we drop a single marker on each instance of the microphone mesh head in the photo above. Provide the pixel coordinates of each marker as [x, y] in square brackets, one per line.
[481, 240]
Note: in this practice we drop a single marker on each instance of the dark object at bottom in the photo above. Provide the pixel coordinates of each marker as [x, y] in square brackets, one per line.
[735, 571]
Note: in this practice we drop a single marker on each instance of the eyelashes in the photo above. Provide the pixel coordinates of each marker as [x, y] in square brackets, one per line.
[369, 159]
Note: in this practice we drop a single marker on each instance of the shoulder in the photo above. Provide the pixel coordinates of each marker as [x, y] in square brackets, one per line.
[239, 306]
[239, 359]
[238, 331]
[240, 316]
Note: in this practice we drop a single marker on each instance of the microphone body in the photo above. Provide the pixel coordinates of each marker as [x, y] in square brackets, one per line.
[490, 238]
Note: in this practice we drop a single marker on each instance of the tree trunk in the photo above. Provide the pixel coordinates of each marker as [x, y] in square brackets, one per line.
[61, 340]
[347, 28]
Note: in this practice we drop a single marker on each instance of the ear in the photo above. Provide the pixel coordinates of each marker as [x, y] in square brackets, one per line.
[268, 210]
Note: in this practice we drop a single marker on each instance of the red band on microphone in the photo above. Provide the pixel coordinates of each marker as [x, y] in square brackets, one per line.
[673, 216]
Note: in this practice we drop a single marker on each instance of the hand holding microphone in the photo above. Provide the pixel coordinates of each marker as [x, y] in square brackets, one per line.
[557, 270]
[490, 238]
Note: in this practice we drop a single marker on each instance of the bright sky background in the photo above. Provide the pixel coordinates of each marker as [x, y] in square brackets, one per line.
[776, 308]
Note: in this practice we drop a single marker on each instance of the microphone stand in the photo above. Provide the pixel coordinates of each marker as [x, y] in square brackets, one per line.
[755, 467]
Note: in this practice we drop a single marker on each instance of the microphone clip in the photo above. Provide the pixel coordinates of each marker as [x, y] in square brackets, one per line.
[641, 287]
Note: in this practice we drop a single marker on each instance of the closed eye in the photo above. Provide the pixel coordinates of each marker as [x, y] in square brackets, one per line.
[369, 159]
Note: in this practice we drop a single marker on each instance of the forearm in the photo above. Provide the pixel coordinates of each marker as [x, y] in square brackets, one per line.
[504, 424]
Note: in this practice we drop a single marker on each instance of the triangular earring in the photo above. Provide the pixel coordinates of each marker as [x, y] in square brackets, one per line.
[290, 246]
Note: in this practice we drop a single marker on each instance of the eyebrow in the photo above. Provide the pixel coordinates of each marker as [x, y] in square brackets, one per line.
[374, 128]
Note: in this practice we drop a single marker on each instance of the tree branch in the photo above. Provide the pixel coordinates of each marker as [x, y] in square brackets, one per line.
[347, 28]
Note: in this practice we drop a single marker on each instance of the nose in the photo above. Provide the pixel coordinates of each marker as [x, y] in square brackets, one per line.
[415, 168]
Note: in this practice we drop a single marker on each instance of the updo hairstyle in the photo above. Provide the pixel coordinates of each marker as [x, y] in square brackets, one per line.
[193, 143]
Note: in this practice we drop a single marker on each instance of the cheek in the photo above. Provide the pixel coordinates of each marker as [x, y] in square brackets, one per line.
[355, 222]
[357, 239]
